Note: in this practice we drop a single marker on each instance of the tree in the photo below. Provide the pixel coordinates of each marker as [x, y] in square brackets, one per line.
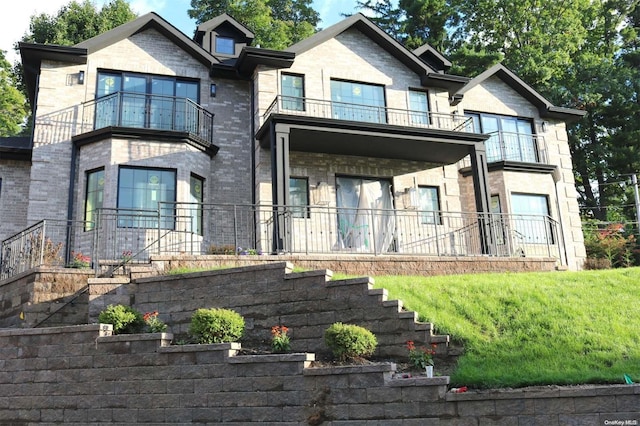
[77, 22]
[13, 106]
[277, 24]
[74, 23]
[414, 22]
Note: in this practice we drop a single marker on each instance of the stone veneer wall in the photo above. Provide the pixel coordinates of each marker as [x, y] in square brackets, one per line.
[83, 375]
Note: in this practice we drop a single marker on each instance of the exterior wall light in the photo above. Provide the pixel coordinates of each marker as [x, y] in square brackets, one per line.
[213, 89]
[81, 77]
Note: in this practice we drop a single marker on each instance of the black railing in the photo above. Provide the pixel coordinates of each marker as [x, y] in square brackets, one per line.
[368, 114]
[146, 111]
[520, 147]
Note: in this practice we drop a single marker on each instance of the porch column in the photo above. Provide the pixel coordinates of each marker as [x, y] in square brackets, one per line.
[481, 190]
[280, 184]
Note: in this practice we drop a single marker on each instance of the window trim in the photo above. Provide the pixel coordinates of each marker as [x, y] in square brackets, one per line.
[383, 119]
[296, 209]
[175, 193]
[199, 209]
[294, 99]
[226, 39]
[549, 237]
[433, 218]
[87, 175]
[413, 112]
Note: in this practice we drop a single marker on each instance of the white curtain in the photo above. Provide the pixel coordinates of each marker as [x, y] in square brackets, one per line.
[366, 219]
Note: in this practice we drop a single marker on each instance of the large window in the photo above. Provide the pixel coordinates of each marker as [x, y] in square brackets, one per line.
[292, 87]
[358, 101]
[145, 101]
[196, 196]
[511, 137]
[299, 196]
[419, 108]
[140, 190]
[94, 197]
[429, 204]
[530, 213]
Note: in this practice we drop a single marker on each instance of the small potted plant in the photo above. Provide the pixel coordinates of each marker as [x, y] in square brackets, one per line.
[422, 358]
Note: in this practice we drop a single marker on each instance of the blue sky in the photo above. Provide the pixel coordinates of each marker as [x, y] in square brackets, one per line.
[14, 23]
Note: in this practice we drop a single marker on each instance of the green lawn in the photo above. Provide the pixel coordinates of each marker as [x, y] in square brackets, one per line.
[521, 329]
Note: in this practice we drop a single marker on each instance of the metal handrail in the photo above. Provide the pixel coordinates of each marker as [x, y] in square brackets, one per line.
[278, 229]
[148, 111]
[320, 108]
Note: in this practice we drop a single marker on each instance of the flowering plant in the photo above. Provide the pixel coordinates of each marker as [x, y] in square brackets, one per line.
[127, 255]
[79, 260]
[154, 324]
[421, 357]
[280, 341]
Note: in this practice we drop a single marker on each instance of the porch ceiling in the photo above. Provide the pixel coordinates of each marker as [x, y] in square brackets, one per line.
[339, 137]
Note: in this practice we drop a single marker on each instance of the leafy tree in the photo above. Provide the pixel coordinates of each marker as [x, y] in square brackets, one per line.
[74, 23]
[13, 107]
[276, 24]
[77, 22]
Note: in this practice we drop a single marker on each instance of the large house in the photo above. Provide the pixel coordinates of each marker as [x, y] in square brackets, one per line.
[147, 141]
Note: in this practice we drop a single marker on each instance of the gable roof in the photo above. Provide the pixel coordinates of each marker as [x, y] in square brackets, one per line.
[144, 22]
[429, 76]
[546, 108]
[219, 20]
[431, 56]
[33, 53]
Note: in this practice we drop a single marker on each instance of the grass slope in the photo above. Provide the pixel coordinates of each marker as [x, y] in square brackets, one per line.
[521, 329]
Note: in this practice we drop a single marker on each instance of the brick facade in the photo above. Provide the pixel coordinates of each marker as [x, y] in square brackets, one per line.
[241, 169]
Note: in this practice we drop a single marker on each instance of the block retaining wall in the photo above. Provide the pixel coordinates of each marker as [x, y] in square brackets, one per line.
[268, 295]
[83, 375]
[360, 265]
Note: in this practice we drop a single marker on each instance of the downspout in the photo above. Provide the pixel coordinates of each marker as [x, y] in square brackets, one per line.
[252, 144]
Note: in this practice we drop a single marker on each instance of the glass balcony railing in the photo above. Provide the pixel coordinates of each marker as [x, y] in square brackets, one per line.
[368, 114]
[146, 111]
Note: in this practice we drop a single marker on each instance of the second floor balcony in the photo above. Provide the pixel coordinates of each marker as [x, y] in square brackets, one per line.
[318, 108]
[148, 111]
[516, 147]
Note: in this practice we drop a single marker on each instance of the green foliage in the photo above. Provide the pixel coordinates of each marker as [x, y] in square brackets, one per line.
[13, 105]
[612, 243]
[216, 325]
[420, 357]
[77, 22]
[276, 24]
[153, 323]
[522, 329]
[125, 319]
[280, 340]
[349, 341]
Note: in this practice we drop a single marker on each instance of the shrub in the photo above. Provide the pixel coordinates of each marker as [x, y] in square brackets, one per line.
[125, 319]
[216, 326]
[348, 341]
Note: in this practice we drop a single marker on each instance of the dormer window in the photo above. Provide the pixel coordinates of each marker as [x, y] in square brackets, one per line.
[225, 45]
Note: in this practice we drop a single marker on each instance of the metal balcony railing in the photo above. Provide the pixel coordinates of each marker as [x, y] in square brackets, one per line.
[146, 111]
[367, 114]
[122, 236]
[520, 147]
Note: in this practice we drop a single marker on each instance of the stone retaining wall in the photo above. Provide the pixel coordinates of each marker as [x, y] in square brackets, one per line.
[365, 265]
[269, 295]
[83, 375]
